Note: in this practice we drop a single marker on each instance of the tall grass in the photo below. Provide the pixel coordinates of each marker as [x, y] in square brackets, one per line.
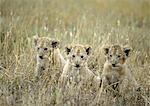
[93, 22]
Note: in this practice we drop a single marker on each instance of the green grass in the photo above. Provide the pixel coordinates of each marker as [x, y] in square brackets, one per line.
[93, 22]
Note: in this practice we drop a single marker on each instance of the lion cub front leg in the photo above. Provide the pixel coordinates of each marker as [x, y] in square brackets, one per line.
[123, 85]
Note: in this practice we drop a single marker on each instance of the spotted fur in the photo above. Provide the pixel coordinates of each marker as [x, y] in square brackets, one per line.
[48, 54]
[115, 69]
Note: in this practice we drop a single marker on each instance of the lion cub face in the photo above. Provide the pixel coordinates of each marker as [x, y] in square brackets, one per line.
[78, 55]
[44, 46]
[116, 55]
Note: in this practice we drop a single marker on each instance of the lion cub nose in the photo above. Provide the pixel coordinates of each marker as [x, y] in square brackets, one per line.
[41, 57]
[113, 65]
[77, 65]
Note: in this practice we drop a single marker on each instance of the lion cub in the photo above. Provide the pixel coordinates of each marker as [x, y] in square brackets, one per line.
[76, 64]
[48, 54]
[115, 68]
[76, 77]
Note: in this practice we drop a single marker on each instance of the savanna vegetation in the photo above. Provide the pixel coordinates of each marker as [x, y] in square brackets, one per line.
[93, 22]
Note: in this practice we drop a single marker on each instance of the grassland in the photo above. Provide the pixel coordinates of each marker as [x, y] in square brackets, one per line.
[93, 22]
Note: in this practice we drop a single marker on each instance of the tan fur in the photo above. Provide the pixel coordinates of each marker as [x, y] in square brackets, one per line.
[116, 76]
[70, 66]
[116, 70]
[77, 77]
[48, 49]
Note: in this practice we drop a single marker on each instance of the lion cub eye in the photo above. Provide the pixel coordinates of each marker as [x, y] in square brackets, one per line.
[82, 57]
[45, 49]
[118, 56]
[38, 48]
[110, 55]
[73, 56]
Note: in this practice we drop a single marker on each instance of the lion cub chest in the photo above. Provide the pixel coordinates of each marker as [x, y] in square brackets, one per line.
[117, 72]
[76, 76]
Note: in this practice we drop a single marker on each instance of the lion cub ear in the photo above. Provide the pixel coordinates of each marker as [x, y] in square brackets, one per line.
[68, 49]
[88, 49]
[55, 43]
[127, 51]
[106, 49]
[35, 40]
